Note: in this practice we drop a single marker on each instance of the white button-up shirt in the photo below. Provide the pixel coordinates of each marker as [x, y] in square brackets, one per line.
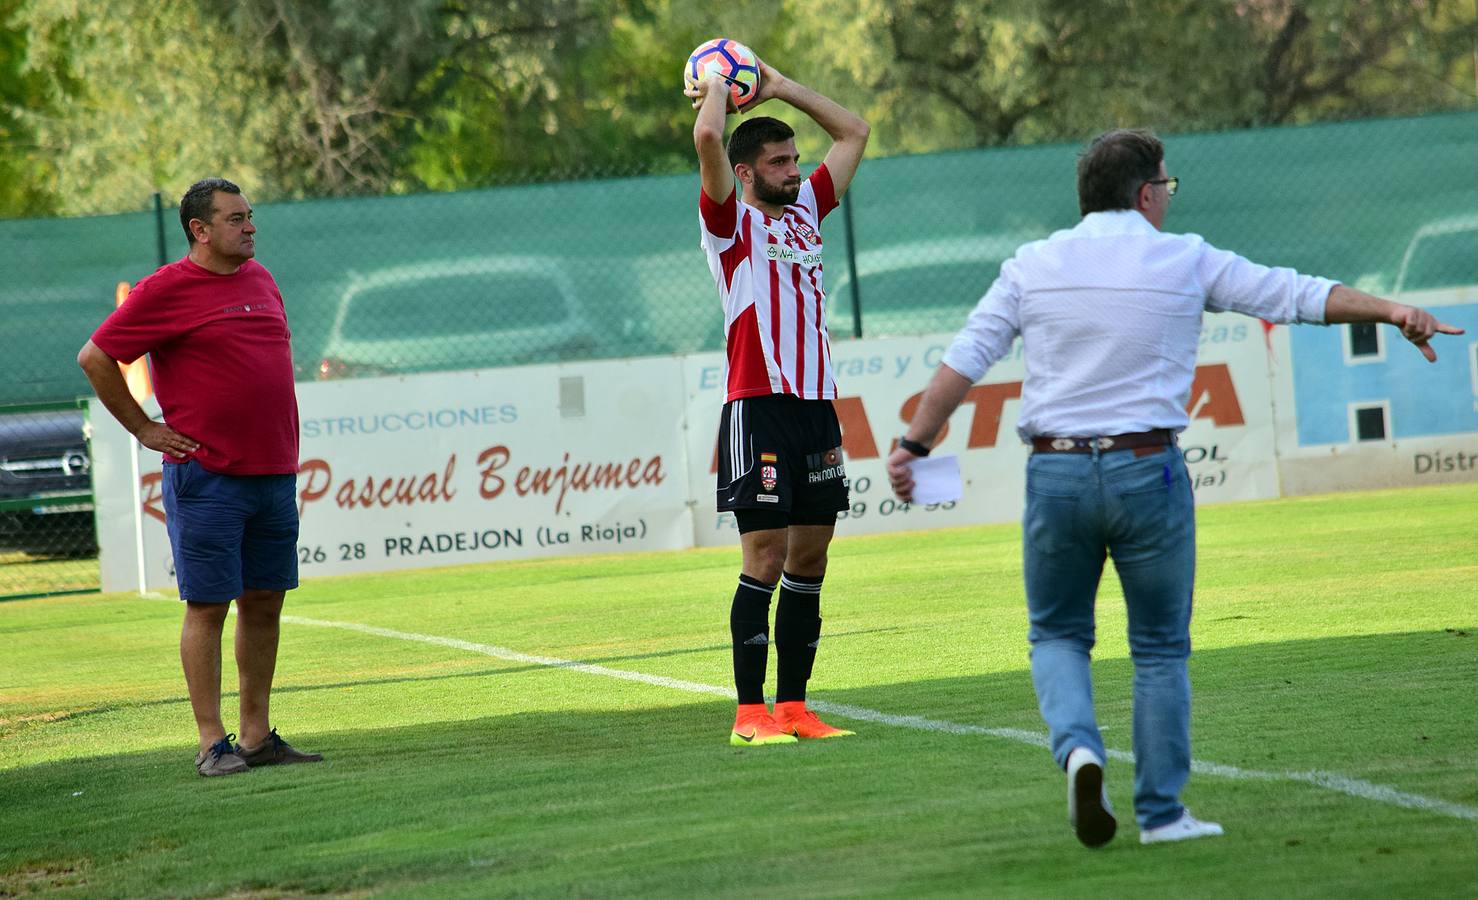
[1109, 315]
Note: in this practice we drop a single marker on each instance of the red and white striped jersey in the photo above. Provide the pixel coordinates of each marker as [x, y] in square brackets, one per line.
[768, 273]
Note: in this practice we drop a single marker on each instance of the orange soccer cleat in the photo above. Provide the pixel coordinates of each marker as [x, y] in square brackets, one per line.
[753, 727]
[792, 717]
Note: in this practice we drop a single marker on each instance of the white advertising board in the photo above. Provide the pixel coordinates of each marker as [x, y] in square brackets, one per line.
[449, 468]
[1228, 446]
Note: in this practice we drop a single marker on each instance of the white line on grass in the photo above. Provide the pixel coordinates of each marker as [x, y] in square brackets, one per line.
[1354, 787]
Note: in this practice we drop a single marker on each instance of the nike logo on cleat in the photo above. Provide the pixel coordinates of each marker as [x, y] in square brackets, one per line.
[746, 738]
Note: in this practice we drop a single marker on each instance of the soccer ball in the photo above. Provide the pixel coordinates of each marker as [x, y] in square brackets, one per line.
[729, 60]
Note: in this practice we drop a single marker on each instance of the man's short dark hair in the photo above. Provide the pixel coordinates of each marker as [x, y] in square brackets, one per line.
[1113, 167]
[199, 200]
[752, 135]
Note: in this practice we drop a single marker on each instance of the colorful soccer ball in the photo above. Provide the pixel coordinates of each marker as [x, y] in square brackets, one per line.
[729, 60]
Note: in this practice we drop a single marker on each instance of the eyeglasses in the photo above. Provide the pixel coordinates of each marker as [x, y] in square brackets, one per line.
[1172, 184]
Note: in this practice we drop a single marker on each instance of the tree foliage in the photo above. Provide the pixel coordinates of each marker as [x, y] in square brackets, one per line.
[25, 171]
[105, 101]
[146, 95]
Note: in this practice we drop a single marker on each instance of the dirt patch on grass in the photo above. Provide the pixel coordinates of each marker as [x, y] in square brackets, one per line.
[37, 878]
[290, 894]
[13, 726]
[34, 718]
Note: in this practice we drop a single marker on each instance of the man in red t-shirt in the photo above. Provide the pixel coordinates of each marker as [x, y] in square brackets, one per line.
[216, 329]
[780, 462]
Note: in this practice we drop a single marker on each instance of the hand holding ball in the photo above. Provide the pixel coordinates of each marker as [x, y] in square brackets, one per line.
[729, 60]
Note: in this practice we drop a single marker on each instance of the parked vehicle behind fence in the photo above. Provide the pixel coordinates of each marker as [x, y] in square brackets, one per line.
[46, 484]
[468, 313]
[919, 287]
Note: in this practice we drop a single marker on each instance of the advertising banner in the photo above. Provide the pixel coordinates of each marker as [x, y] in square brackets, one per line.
[1361, 408]
[1228, 445]
[449, 468]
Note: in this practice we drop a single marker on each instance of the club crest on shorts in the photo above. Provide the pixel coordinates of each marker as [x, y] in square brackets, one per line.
[768, 477]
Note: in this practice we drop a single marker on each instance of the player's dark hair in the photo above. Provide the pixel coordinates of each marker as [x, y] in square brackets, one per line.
[1113, 167]
[199, 201]
[752, 135]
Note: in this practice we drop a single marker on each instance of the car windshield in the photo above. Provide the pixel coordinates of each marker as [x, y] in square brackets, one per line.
[943, 286]
[1443, 260]
[455, 304]
[916, 300]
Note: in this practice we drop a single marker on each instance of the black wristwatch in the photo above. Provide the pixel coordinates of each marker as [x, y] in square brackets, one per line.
[913, 447]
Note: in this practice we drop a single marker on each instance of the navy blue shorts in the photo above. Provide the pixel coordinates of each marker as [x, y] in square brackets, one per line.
[230, 532]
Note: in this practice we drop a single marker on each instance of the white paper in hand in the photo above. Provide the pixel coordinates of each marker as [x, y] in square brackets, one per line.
[936, 479]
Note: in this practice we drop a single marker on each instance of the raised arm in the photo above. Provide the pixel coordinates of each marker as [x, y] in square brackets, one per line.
[1345, 304]
[849, 132]
[712, 100]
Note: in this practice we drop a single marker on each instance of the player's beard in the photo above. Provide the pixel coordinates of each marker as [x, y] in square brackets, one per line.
[782, 194]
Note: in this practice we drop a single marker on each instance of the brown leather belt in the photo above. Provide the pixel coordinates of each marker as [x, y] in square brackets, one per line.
[1140, 440]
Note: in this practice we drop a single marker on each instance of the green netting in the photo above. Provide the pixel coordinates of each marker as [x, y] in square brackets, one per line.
[611, 267]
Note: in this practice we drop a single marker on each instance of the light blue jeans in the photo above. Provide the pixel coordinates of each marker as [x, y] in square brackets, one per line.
[1081, 508]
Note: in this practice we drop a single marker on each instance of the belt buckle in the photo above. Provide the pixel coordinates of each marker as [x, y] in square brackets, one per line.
[1063, 444]
[1105, 443]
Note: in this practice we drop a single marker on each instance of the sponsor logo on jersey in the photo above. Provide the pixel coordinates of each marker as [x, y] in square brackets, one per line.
[781, 253]
[767, 498]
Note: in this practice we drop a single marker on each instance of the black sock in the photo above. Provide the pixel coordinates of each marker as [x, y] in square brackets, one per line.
[749, 626]
[797, 631]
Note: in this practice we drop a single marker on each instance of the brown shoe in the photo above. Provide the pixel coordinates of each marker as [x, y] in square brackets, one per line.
[274, 751]
[220, 759]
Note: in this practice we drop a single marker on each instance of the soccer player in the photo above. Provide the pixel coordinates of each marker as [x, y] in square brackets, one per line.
[780, 465]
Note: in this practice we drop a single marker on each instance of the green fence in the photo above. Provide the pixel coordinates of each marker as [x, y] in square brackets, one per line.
[612, 267]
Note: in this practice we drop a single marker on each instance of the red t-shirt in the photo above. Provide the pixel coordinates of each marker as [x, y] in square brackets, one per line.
[222, 362]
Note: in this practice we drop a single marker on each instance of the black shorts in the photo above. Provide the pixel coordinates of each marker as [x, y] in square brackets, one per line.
[782, 455]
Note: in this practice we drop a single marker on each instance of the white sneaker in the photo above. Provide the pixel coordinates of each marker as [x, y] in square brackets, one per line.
[1182, 829]
[1087, 800]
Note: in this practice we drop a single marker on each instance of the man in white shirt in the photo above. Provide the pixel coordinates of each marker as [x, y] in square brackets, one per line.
[1109, 314]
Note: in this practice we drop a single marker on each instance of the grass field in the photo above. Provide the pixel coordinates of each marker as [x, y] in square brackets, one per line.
[22, 574]
[1335, 729]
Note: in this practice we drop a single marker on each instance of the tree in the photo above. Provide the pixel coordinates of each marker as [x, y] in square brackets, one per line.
[962, 73]
[349, 76]
[1341, 58]
[25, 171]
[150, 95]
[394, 96]
[105, 101]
